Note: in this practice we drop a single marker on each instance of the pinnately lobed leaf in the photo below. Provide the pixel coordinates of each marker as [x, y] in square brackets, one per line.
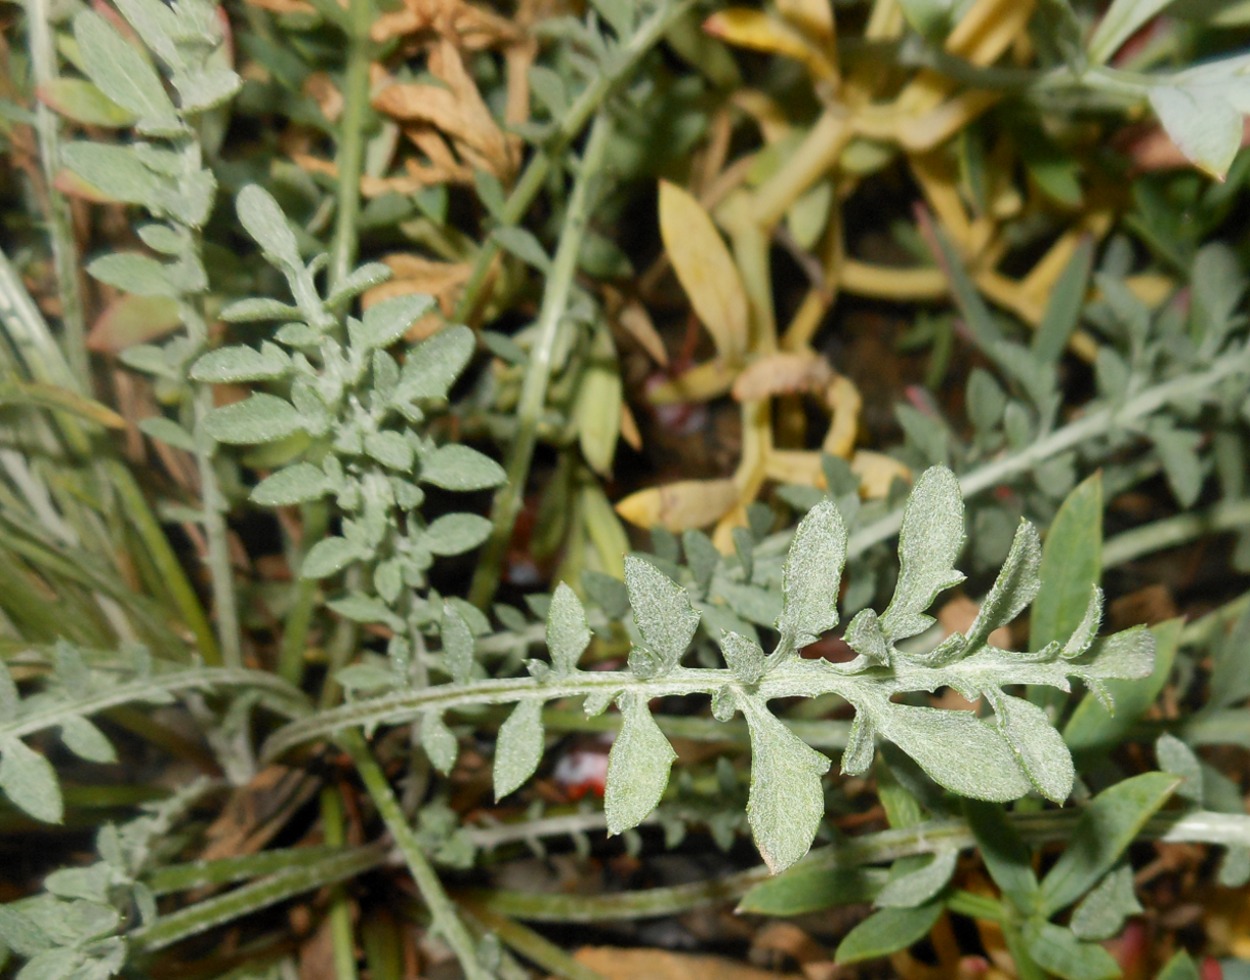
[638, 766]
[811, 576]
[786, 802]
[662, 611]
[929, 542]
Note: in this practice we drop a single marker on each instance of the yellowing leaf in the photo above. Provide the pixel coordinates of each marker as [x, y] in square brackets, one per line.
[700, 383]
[756, 29]
[876, 472]
[131, 320]
[705, 269]
[782, 374]
[680, 506]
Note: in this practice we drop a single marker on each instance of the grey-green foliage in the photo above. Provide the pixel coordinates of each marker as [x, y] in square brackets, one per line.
[998, 758]
[351, 412]
[72, 689]
[77, 927]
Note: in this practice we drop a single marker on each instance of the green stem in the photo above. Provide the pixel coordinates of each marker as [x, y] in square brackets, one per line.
[1200, 826]
[342, 933]
[299, 620]
[228, 870]
[584, 106]
[293, 880]
[442, 911]
[1095, 424]
[540, 365]
[60, 224]
[351, 151]
[1227, 515]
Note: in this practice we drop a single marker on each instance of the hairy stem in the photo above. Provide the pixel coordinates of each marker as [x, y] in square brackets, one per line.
[540, 365]
[441, 909]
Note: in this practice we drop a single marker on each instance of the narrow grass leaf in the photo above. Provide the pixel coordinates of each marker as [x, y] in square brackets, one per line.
[805, 889]
[1007, 858]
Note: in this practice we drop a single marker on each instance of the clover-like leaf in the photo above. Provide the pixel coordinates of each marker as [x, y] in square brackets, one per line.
[929, 542]
[638, 766]
[662, 611]
[519, 747]
[567, 633]
[786, 801]
[811, 575]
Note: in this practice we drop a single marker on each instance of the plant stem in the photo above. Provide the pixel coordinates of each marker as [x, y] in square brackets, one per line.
[351, 149]
[1097, 423]
[60, 223]
[1227, 515]
[540, 365]
[342, 933]
[441, 909]
[584, 106]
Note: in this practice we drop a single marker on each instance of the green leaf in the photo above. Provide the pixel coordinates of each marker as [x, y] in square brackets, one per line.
[786, 802]
[455, 467]
[929, 542]
[438, 742]
[524, 246]
[263, 219]
[124, 75]
[1107, 826]
[1124, 654]
[744, 656]
[1178, 451]
[1063, 310]
[957, 750]
[888, 931]
[391, 449]
[28, 779]
[253, 310]
[434, 365]
[1122, 20]
[259, 419]
[117, 173]
[458, 644]
[1180, 967]
[1058, 951]
[362, 278]
[519, 747]
[1179, 759]
[567, 634]
[1014, 588]
[662, 611]
[1040, 749]
[86, 741]
[454, 534]
[169, 432]
[295, 484]
[805, 889]
[1007, 858]
[328, 556]
[810, 578]
[1102, 912]
[82, 102]
[134, 273]
[917, 887]
[361, 608]
[1201, 120]
[386, 322]
[638, 766]
[228, 365]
